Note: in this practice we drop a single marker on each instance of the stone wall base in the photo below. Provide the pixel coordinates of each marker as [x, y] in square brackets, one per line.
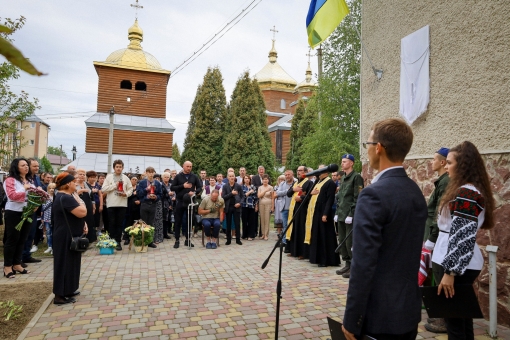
[498, 166]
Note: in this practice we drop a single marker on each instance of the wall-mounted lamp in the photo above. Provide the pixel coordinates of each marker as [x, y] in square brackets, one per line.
[128, 99]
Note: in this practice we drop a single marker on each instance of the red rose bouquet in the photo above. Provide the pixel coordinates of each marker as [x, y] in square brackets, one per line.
[36, 197]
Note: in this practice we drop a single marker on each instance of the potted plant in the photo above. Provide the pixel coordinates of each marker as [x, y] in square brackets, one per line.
[141, 235]
[106, 244]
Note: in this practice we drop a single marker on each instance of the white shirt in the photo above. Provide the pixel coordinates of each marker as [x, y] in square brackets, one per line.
[376, 178]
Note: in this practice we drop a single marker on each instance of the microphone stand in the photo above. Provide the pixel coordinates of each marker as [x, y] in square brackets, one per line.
[279, 244]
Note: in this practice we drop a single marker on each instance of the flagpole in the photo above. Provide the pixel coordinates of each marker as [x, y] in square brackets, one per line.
[378, 72]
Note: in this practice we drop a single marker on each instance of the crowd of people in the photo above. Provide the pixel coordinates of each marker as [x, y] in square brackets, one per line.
[381, 229]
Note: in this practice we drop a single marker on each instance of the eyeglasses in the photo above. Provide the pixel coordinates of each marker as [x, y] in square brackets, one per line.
[371, 143]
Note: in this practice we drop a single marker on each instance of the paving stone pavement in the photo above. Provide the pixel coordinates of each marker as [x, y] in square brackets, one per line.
[198, 294]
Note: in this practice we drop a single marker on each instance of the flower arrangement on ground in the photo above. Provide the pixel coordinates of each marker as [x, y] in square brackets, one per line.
[104, 241]
[36, 197]
[141, 234]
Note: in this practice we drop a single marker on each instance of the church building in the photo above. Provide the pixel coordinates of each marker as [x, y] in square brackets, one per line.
[133, 84]
[281, 95]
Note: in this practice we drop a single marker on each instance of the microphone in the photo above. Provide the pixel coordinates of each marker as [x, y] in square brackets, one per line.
[329, 168]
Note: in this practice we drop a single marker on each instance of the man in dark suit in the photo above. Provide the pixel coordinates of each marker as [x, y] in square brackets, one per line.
[232, 193]
[256, 180]
[383, 300]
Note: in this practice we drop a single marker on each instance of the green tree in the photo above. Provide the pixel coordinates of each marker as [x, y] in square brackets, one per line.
[45, 165]
[204, 138]
[55, 150]
[14, 108]
[247, 142]
[338, 96]
[176, 154]
[295, 139]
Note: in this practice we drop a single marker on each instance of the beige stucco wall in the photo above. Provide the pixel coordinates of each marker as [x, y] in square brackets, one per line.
[39, 134]
[469, 71]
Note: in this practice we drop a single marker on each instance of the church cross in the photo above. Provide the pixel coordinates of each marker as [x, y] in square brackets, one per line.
[272, 30]
[136, 6]
[309, 54]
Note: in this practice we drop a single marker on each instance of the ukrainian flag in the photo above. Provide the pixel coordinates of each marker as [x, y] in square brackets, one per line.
[322, 19]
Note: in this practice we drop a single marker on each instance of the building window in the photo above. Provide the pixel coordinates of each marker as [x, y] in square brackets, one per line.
[283, 104]
[140, 86]
[32, 142]
[126, 84]
[32, 125]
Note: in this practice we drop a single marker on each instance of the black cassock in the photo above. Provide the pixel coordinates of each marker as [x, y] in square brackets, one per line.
[323, 242]
[296, 244]
[66, 263]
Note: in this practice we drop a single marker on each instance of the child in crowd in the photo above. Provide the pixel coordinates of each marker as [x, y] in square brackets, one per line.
[46, 218]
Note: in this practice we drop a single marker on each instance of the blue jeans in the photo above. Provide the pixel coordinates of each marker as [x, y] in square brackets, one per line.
[285, 217]
[49, 234]
[215, 223]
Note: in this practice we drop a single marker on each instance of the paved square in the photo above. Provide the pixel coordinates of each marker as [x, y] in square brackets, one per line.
[198, 294]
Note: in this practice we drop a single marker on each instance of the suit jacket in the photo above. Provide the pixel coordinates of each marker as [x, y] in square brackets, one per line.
[226, 194]
[256, 181]
[141, 191]
[383, 294]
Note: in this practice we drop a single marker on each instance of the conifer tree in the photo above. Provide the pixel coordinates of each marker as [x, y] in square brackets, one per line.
[176, 154]
[247, 141]
[204, 136]
[189, 139]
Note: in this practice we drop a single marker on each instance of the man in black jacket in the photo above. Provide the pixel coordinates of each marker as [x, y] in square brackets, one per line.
[232, 193]
[184, 184]
[383, 299]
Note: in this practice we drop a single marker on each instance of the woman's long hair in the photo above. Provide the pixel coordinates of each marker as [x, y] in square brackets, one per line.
[470, 169]
[14, 169]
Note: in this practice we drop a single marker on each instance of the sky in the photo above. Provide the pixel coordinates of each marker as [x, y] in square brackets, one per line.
[63, 38]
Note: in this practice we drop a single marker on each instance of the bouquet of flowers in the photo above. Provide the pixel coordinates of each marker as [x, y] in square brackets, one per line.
[141, 234]
[36, 197]
[104, 241]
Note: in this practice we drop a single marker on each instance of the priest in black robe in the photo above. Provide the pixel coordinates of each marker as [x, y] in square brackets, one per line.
[296, 235]
[322, 236]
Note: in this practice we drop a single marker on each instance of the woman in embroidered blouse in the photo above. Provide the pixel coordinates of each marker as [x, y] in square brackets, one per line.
[266, 205]
[278, 204]
[248, 210]
[466, 206]
[15, 187]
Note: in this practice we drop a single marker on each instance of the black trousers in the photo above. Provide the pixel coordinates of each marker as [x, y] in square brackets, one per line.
[458, 329]
[116, 217]
[14, 239]
[148, 212]
[29, 240]
[232, 211]
[249, 218]
[181, 220]
[406, 336]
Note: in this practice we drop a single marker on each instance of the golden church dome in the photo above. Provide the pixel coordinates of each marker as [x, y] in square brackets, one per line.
[273, 74]
[134, 57]
[308, 84]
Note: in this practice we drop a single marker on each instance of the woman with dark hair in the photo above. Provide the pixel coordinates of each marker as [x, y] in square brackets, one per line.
[248, 210]
[167, 205]
[15, 187]
[466, 206]
[84, 192]
[97, 197]
[68, 222]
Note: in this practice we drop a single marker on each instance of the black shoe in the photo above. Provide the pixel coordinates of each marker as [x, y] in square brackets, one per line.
[347, 274]
[63, 300]
[152, 245]
[23, 264]
[176, 245]
[32, 260]
[343, 270]
[73, 294]
[322, 265]
[119, 247]
[126, 242]
[190, 244]
[227, 243]
[239, 243]
[167, 237]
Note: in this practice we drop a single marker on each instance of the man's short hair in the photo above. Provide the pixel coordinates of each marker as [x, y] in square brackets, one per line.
[212, 177]
[290, 170]
[215, 191]
[101, 175]
[150, 169]
[396, 136]
[118, 161]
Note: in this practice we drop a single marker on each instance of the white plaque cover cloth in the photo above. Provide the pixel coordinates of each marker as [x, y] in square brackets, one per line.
[414, 74]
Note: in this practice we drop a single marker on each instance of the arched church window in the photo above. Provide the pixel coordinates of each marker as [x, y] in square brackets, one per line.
[283, 104]
[126, 84]
[140, 86]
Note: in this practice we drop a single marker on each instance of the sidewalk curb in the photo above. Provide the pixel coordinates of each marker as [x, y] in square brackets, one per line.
[36, 317]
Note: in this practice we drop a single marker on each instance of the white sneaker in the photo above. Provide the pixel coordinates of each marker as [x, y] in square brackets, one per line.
[34, 249]
[49, 250]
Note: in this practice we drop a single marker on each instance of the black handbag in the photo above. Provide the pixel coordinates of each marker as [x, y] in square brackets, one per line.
[78, 243]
